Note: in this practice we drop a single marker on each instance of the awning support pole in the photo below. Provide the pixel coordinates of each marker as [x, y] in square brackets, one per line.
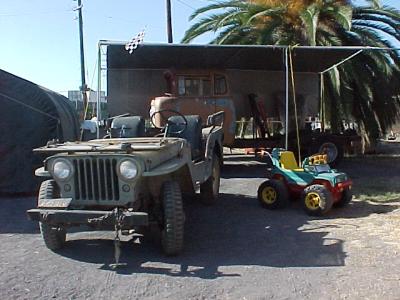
[342, 62]
[287, 99]
[98, 113]
[322, 102]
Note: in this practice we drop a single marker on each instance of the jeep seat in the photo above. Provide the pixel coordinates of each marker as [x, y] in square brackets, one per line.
[288, 161]
[192, 133]
[128, 127]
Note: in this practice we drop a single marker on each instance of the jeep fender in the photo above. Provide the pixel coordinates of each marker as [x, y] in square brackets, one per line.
[167, 167]
[41, 172]
[214, 144]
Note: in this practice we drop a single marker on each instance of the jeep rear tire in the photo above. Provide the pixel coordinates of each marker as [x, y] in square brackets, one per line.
[209, 189]
[54, 237]
[173, 218]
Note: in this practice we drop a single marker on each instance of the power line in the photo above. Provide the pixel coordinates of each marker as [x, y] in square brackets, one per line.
[188, 5]
[36, 13]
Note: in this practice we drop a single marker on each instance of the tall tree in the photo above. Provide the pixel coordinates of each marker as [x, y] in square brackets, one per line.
[366, 89]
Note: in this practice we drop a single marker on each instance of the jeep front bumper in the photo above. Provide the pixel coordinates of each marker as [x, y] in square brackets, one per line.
[125, 219]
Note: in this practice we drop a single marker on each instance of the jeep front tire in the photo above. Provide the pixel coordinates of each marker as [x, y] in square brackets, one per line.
[54, 237]
[173, 218]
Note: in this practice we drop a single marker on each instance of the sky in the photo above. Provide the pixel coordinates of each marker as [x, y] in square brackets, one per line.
[40, 38]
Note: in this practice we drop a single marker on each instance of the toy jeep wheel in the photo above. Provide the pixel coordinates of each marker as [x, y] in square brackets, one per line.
[53, 237]
[272, 194]
[347, 195]
[317, 200]
[173, 218]
[209, 190]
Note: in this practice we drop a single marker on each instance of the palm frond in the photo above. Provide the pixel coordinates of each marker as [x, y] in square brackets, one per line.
[310, 17]
[217, 5]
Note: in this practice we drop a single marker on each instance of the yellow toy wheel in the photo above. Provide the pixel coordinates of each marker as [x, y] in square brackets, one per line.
[272, 194]
[317, 200]
[269, 195]
[312, 201]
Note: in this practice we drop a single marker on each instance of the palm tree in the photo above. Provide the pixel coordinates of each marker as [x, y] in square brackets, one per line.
[366, 88]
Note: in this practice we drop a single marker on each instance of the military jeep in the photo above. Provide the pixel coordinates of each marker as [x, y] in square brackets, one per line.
[130, 180]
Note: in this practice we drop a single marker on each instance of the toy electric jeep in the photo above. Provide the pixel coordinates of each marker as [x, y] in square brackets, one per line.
[129, 181]
[318, 186]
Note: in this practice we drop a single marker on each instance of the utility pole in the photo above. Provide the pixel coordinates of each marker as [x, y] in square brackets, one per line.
[83, 87]
[169, 22]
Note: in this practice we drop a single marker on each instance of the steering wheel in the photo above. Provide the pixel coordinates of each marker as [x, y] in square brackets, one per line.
[168, 122]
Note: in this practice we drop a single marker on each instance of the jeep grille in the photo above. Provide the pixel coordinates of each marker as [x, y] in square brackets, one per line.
[96, 179]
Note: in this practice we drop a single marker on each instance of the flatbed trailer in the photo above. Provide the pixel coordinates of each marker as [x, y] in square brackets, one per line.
[336, 145]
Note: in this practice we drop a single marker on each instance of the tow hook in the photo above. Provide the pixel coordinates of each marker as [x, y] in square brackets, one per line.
[116, 218]
[117, 241]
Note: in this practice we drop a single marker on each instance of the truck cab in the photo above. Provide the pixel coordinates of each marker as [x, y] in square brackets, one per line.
[200, 92]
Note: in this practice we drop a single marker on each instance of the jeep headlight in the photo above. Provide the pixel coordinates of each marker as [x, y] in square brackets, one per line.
[61, 169]
[128, 169]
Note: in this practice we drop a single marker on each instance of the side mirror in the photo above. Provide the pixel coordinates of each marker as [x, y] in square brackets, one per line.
[216, 119]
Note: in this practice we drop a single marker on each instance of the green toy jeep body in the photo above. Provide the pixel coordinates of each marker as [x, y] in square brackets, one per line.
[319, 186]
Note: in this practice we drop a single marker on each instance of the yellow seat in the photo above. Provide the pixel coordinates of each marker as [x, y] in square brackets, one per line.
[288, 161]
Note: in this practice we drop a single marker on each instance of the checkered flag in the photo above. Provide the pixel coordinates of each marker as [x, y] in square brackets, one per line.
[135, 42]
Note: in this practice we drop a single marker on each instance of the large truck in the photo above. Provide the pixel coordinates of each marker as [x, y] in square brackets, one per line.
[208, 91]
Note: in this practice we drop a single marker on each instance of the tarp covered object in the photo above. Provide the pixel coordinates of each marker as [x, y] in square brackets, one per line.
[30, 116]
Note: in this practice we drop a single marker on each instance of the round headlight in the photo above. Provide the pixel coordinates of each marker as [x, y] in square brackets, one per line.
[128, 169]
[61, 169]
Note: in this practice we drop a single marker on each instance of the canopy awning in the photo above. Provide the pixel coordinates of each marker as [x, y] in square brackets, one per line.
[246, 57]
[306, 59]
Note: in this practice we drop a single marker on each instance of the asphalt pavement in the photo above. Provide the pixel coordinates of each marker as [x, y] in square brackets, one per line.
[233, 250]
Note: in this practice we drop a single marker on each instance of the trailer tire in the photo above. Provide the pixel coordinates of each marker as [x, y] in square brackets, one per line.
[53, 236]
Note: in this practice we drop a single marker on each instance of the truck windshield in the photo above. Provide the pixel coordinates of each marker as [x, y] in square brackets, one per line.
[219, 84]
[194, 86]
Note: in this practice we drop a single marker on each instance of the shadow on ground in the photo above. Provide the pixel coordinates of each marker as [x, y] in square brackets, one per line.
[237, 231]
[13, 217]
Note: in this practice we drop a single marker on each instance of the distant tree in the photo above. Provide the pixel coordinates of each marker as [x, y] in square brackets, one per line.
[367, 88]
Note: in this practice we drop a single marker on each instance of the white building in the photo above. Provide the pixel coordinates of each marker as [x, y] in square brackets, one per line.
[76, 97]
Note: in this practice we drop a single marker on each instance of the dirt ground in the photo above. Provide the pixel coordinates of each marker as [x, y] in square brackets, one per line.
[234, 250]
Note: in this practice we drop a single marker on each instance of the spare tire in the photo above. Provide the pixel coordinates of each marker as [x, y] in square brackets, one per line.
[333, 149]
